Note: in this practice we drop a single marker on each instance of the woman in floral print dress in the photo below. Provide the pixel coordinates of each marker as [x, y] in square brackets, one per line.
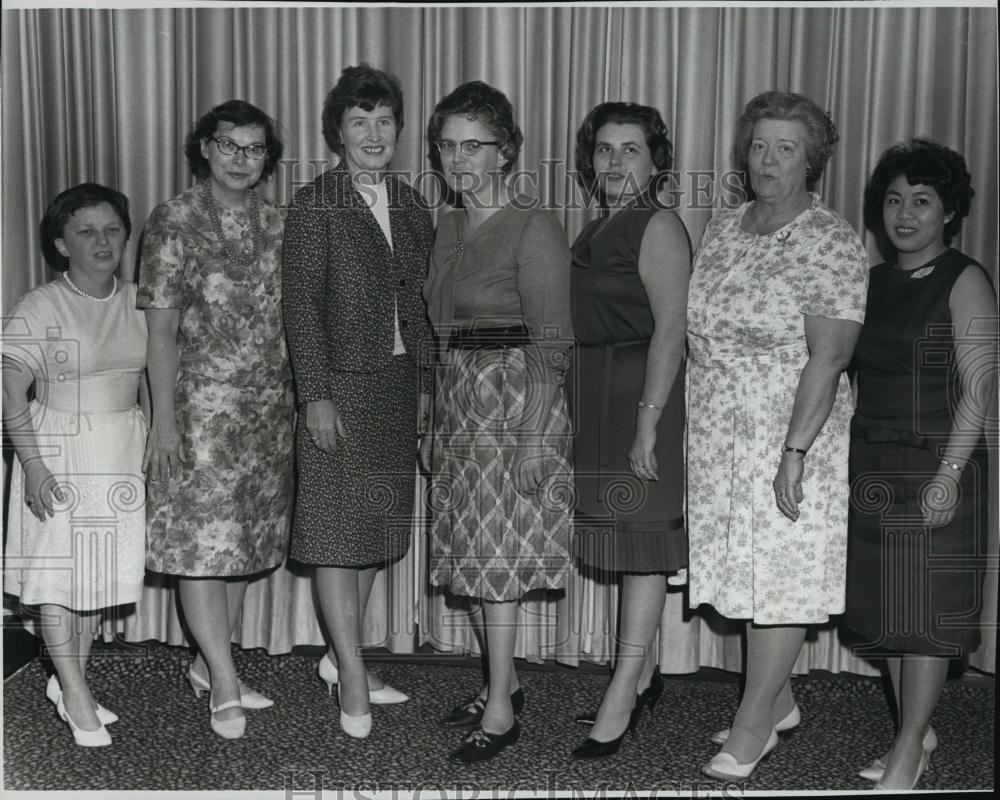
[219, 457]
[776, 302]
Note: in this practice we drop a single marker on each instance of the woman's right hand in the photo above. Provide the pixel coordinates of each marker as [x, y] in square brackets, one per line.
[424, 453]
[164, 451]
[39, 490]
[324, 424]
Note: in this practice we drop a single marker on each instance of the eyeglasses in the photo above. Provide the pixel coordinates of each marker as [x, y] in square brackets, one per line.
[229, 148]
[470, 147]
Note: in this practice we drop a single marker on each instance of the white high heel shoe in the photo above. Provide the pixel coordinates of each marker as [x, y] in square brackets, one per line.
[357, 726]
[385, 696]
[873, 772]
[249, 698]
[53, 691]
[925, 760]
[790, 721]
[725, 767]
[96, 738]
[227, 728]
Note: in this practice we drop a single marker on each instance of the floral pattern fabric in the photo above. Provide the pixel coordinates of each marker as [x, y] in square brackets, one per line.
[229, 511]
[747, 347]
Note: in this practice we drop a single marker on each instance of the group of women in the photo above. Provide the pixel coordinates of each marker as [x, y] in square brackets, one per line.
[550, 389]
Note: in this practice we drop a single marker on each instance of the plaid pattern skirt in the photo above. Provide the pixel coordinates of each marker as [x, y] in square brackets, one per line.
[489, 540]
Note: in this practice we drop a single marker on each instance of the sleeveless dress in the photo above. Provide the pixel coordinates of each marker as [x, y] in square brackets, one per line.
[622, 524]
[87, 359]
[229, 512]
[911, 589]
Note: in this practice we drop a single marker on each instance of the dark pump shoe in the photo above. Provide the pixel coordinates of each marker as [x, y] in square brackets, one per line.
[591, 748]
[647, 697]
[480, 745]
[469, 713]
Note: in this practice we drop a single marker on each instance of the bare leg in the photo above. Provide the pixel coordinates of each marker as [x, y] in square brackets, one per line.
[338, 590]
[206, 608]
[501, 633]
[771, 654]
[642, 601]
[235, 593]
[920, 682]
[63, 632]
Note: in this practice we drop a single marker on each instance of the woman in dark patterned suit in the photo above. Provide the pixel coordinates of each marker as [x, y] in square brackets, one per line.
[357, 242]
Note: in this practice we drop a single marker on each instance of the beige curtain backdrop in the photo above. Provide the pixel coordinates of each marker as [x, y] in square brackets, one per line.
[108, 95]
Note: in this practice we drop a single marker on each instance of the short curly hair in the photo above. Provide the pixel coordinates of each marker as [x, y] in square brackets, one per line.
[921, 161]
[65, 205]
[821, 133]
[237, 113]
[646, 117]
[480, 101]
[363, 86]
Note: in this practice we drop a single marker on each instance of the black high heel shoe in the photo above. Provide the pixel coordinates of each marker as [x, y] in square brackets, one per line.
[591, 748]
[649, 696]
[469, 713]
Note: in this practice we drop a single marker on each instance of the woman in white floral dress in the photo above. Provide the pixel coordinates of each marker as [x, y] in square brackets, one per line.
[777, 298]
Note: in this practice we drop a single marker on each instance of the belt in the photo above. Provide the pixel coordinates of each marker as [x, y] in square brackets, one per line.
[889, 435]
[491, 338]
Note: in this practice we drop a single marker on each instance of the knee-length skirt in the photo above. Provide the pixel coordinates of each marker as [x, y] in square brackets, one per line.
[228, 512]
[355, 508]
[912, 589]
[489, 540]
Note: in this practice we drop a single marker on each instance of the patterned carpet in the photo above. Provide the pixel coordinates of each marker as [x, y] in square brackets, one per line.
[163, 741]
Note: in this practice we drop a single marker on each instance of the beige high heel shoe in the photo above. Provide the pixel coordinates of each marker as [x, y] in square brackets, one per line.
[95, 738]
[357, 726]
[227, 728]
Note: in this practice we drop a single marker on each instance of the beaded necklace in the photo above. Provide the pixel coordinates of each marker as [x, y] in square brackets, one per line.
[79, 291]
[243, 260]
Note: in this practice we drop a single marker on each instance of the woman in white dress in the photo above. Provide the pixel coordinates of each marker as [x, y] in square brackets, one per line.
[776, 301]
[76, 518]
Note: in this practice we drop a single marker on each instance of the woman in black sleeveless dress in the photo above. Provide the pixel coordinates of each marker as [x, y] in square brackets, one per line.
[630, 275]
[925, 369]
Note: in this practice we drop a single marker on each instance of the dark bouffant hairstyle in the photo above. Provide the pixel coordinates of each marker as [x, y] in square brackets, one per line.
[646, 117]
[821, 133]
[921, 161]
[363, 86]
[237, 113]
[478, 100]
[65, 205]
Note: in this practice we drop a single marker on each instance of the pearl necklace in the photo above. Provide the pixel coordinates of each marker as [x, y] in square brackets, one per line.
[243, 260]
[79, 291]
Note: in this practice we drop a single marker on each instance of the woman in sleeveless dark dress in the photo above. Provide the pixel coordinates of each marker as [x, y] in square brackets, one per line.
[925, 365]
[630, 277]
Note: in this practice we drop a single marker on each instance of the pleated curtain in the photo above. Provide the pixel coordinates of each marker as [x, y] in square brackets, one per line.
[109, 94]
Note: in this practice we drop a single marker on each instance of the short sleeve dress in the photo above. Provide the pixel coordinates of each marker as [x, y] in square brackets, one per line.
[746, 350]
[87, 358]
[622, 524]
[911, 589]
[229, 512]
[487, 539]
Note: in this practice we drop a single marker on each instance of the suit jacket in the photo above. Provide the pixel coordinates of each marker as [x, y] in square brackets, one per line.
[339, 278]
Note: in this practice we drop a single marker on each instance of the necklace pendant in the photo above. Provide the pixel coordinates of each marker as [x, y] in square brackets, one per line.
[459, 246]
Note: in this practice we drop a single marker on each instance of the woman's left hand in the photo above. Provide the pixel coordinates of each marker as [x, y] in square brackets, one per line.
[788, 484]
[641, 456]
[529, 464]
[939, 499]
